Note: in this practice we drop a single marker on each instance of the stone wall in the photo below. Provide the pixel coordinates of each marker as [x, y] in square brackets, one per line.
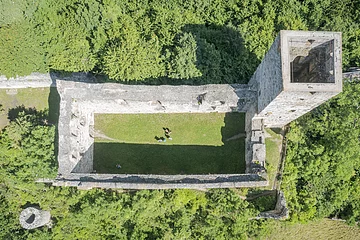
[352, 76]
[289, 106]
[267, 79]
[34, 80]
[34, 217]
[281, 212]
[79, 102]
[280, 100]
[142, 181]
[269, 100]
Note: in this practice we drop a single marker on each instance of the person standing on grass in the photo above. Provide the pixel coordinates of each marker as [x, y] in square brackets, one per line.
[167, 133]
[168, 136]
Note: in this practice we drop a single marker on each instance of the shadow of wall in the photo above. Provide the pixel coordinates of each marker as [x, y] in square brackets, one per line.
[54, 112]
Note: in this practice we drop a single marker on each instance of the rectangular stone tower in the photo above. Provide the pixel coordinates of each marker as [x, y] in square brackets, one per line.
[301, 71]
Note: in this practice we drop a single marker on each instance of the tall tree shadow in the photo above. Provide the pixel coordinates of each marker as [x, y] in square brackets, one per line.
[40, 116]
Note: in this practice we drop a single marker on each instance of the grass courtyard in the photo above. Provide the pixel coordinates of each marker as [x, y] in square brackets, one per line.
[201, 143]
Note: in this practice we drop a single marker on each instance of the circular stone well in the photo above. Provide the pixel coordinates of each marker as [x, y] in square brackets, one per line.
[32, 217]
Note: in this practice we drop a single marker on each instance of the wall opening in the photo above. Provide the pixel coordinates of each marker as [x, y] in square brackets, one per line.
[30, 219]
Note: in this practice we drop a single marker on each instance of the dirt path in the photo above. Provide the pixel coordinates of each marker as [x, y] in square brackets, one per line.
[237, 136]
[98, 134]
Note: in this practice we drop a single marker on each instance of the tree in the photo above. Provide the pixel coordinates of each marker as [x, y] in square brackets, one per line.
[183, 60]
[323, 158]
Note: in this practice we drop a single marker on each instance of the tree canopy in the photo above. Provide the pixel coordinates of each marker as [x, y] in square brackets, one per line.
[204, 41]
[178, 41]
[27, 153]
[323, 159]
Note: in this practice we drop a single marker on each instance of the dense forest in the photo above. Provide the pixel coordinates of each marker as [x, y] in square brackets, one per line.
[322, 172]
[159, 41]
[193, 42]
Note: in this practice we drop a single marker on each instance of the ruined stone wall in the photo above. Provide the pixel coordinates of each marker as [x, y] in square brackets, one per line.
[34, 217]
[269, 100]
[141, 181]
[80, 101]
[281, 212]
[352, 76]
[289, 106]
[267, 79]
[248, 129]
[34, 80]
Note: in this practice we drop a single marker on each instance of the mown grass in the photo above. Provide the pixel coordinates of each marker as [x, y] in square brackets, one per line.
[199, 143]
[324, 229]
[273, 143]
[28, 97]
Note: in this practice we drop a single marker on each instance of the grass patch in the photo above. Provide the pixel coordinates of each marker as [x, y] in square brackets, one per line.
[28, 97]
[324, 229]
[273, 147]
[201, 143]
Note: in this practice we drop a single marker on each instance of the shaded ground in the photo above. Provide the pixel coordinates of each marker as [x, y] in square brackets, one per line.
[29, 97]
[200, 143]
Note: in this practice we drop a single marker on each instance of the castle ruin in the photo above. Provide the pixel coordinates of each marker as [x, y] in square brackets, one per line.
[300, 71]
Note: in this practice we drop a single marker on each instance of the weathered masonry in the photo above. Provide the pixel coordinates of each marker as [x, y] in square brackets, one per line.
[80, 101]
[301, 71]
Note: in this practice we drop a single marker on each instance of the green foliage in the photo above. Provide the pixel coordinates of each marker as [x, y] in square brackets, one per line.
[323, 159]
[27, 153]
[27, 145]
[8, 221]
[203, 42]
[183, 62]
[264, 203]
[221, 54]
[20, 50]
[11, 11]
[179, 214]
[200, 41]
[129, 57]
[66, 29]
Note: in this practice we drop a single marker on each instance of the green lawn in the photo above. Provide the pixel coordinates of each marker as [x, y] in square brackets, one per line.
[200, 143]
[29, 97]
[324, 229]
[38, 98]
[273, 143]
